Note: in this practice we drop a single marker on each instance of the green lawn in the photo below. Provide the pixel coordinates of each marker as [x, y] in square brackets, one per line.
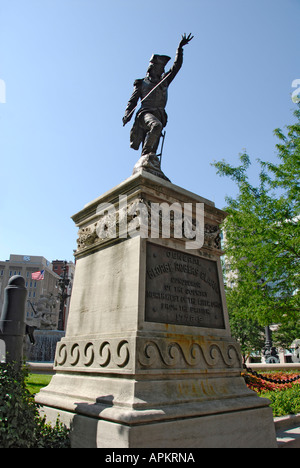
[34, 382]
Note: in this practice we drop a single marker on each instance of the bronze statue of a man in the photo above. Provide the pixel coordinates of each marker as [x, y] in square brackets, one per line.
[151, 118]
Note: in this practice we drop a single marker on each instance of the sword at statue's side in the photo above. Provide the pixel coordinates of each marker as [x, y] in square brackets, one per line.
[156, 86]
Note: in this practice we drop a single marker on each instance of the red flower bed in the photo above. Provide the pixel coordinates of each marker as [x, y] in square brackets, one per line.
[259, 385]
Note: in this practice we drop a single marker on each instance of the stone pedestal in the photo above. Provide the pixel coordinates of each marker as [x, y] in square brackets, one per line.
[148, 359]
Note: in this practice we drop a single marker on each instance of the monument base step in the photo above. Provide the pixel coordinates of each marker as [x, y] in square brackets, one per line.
[231, 423]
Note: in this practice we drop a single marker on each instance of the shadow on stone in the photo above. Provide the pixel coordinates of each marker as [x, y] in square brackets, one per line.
[84, 427]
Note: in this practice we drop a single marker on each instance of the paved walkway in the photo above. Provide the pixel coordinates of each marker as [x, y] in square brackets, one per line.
[288, 431]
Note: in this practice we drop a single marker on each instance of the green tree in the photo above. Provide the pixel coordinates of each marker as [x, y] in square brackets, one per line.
[286, 334]
[262, 239]
[247, 331]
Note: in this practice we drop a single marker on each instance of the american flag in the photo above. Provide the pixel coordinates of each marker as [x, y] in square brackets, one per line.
[38, 275]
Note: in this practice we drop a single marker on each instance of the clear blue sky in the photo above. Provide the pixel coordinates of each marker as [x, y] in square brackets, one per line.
[69, 67]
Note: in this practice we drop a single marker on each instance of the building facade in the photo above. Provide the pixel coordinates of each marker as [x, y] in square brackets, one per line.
[65, 270]
[42, 305]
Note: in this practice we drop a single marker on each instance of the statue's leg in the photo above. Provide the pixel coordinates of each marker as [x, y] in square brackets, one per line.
[154, 128]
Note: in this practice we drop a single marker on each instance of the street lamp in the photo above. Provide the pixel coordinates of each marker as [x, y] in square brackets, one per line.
[269, 351]
[63, 284]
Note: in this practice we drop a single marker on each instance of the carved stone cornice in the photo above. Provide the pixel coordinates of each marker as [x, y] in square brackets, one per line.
[109, 227]
[98, 228]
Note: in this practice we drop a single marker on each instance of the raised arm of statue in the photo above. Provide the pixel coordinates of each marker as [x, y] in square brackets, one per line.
[179, 57]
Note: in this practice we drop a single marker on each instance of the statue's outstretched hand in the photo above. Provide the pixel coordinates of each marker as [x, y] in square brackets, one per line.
[185, 40]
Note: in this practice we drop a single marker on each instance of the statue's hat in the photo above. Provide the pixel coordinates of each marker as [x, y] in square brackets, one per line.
[160, 59]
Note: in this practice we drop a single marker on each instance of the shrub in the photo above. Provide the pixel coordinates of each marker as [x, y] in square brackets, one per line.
[21, 426]
[284, 402]
[285, 398]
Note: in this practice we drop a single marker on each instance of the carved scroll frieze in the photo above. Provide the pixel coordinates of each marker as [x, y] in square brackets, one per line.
[181, 354]
[151, 353]
[112, 354]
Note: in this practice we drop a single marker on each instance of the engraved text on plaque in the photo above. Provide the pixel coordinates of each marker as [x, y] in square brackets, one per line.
[182, 289]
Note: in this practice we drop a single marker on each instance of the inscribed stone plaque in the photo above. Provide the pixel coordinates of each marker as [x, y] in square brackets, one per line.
[182, 289]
